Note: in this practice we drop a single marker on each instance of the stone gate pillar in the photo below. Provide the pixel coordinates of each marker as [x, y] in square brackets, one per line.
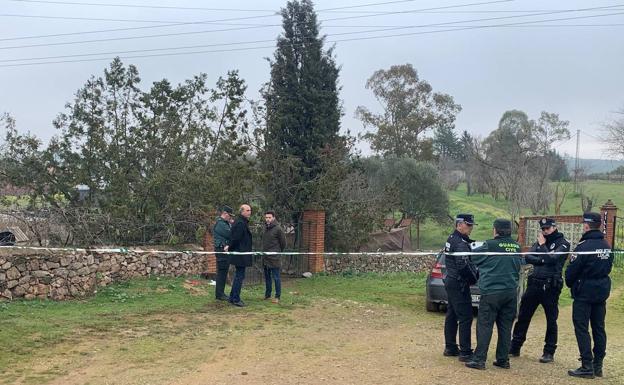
[608, 212]
[313, 223]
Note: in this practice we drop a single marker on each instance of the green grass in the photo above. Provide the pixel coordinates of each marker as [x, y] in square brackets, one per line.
[30, 328]
[144, 320]
[486, 209]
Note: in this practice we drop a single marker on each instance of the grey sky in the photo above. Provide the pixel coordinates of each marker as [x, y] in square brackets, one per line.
[575, 71]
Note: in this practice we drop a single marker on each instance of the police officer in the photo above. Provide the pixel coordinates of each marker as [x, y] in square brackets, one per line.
[543, 288]
[457, 283]
[587, 276]
[498, 282]
[221, 235]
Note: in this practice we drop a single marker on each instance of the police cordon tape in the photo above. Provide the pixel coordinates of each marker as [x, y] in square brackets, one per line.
[123, 250]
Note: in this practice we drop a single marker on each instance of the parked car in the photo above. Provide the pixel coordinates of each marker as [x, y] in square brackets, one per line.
[436, 299]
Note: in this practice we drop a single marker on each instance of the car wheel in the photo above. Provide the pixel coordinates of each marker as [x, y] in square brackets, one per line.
[432, 306]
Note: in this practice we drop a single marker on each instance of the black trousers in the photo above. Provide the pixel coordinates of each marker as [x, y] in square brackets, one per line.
[223, 266]
[538, 293]
[499, 309]
[582, 314]
[458, 317]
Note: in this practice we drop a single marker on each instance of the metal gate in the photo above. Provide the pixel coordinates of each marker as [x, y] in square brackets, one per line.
[293, 266]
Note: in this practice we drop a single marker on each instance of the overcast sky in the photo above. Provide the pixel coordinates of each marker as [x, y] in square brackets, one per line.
[573, 67]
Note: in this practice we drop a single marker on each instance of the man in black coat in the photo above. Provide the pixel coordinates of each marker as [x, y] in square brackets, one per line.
[543, 288]
[587, 276]
[240, 241]
[457, 284]
[221, 235]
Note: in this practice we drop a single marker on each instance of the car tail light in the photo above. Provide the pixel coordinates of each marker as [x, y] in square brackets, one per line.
[436, 272]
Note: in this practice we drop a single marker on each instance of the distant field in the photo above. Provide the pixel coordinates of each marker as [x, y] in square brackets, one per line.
[486, 209]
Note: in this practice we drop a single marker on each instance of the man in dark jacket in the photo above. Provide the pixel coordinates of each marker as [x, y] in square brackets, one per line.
[221, 235]
[543, 288]
[498, 283]
[240, 241]
[457, 284]
[273, 240]
[587, 276]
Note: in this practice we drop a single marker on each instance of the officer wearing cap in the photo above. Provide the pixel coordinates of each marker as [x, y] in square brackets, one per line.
[457, 282]
[498, 283]
[587, 276]
[221, 235]
[543, 288]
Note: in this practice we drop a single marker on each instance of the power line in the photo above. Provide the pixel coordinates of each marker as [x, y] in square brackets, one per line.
[235, 19]
[265, 26]
[192, 8]
[272, 46]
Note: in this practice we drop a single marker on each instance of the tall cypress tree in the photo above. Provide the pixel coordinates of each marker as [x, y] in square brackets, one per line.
[303, 155]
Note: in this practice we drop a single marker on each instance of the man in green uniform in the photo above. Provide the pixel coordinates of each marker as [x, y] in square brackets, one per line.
[221, 235]
[498, 282]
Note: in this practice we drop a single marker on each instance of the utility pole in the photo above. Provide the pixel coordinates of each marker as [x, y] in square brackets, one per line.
[576, 161]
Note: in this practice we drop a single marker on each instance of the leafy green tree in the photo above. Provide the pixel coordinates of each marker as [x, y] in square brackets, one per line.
[303, 155]
[155, 162]
[416, 189]
[410, 109]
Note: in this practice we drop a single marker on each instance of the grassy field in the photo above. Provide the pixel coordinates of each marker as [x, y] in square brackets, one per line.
[486, 209]
[170, 331]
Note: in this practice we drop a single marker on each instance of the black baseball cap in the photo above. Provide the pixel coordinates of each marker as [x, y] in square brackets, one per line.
[467, 218]
[547, 222]
[227, 209]
[591, 218]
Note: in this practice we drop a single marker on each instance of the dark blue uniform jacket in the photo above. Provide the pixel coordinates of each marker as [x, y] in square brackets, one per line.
[587, 275]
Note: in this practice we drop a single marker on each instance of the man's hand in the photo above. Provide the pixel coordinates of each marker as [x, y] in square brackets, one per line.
[226, 248]
[541, 239]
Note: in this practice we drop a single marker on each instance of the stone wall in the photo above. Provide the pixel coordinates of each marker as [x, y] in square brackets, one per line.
[61, 274]
[379, 263]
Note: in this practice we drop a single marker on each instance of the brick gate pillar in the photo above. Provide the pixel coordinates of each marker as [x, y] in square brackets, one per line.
[314, 238]
[208, 244]
[608, 212]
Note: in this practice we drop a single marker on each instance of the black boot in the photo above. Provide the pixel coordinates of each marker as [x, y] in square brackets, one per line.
[465, 357]
[598, 368]
[475, 365]
[450, 353]
[584, 371]
[514, 351]
[546, 358]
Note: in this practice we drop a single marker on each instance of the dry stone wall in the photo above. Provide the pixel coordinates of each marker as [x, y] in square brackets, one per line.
[379, 263]
[59, 275]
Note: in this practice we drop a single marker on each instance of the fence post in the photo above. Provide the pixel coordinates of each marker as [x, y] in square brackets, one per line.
[609, 212]
[314, 238]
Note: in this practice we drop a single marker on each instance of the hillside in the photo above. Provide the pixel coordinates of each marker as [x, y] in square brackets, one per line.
[486, 209]
[594, 166]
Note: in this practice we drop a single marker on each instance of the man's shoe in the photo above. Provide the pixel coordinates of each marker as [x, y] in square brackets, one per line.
[475, 365]
[514, 352]
[546, 358]
[223, 298]
[502, 364]
[465, 357]
[598, 369]
[239, 304]
[275, 300]
[582, 372]
[450, 353]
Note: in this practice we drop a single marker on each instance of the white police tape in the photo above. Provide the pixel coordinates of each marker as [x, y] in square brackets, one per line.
[122, 250]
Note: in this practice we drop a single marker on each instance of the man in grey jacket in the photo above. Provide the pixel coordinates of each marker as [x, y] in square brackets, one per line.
[273, 240]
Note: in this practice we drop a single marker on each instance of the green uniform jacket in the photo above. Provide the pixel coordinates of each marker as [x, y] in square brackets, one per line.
[221, 233]
[498, 273]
